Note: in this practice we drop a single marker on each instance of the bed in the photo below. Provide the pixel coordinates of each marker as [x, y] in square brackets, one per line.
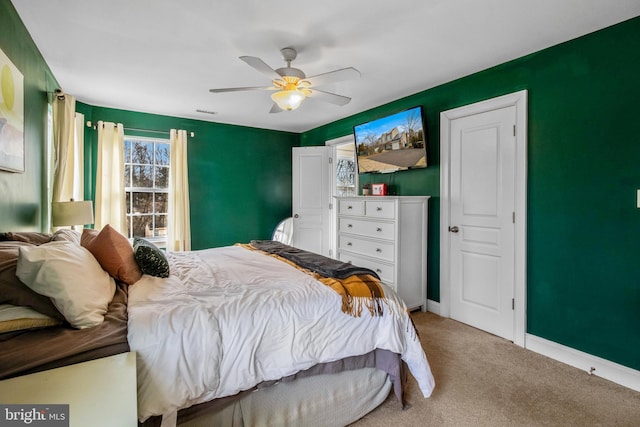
[252, 334]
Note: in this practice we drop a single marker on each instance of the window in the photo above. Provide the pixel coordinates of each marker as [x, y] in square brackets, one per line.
[146, 181]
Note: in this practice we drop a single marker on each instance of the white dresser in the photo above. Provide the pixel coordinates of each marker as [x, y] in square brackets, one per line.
[387, 234]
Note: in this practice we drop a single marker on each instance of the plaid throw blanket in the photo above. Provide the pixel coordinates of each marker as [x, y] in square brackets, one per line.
[359, 288]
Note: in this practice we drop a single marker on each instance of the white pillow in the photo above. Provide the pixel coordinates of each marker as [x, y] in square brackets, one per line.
[73, 279]
[66, 235]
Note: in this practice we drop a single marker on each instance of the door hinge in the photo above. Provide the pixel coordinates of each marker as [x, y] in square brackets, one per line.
[330, 206]
[330, 160]
[513, 303]
[514, 130]
[513, 217]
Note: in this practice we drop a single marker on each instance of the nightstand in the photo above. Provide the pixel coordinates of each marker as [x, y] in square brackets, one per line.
[101, 392]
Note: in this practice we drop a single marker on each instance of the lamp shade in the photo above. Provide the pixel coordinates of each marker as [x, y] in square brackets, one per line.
[71, 213]
[288, 99]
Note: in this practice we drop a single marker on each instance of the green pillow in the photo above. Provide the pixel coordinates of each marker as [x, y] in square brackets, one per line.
[150, 258]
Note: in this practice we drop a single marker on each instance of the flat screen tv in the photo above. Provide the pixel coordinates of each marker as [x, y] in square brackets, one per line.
[393, 143]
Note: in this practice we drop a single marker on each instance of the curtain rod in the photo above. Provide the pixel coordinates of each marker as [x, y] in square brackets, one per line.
[148, 130]
[191, 133]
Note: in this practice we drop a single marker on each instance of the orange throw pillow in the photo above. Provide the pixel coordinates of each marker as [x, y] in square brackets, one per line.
[114, 253]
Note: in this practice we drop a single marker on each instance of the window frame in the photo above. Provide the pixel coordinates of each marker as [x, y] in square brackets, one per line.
[160, 241]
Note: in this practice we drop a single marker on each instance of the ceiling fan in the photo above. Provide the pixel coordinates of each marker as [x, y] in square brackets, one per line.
[292, 85]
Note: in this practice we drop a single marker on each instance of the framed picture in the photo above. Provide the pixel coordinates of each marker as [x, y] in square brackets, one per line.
[11, 116]
[379, 189]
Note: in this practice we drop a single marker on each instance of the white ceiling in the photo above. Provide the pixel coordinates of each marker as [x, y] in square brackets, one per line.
[163, 56]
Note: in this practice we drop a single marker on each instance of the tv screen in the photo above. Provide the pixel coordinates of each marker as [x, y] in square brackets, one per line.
[392, 143]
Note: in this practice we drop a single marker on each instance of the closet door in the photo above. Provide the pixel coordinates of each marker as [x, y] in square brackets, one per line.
[482, 217]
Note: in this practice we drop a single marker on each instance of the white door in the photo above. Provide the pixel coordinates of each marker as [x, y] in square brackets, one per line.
[311, 198]
[481, 218]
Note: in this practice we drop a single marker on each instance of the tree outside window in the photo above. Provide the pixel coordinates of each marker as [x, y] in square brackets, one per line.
[146, 171]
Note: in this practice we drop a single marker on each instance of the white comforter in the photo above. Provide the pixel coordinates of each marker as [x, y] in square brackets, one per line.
[229, 318]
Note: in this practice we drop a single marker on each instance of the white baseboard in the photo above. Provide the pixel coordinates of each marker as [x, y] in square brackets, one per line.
[433, 306]
[594, 365]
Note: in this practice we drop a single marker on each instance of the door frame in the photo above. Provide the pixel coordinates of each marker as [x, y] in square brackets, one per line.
[332, 145]
[519, 100]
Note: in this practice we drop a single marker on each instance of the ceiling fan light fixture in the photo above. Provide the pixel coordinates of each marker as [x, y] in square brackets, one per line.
[292, 86]
[288, 100]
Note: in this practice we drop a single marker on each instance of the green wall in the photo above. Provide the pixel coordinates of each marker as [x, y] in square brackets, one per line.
[583, 250]
[239, 177]
[21, 194]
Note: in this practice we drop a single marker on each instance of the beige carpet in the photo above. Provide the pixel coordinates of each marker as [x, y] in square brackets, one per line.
[483, 380]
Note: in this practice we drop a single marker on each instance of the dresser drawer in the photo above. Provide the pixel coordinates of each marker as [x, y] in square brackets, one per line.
[377, 229]
[380, 209]
[384, 271]
[382, 250]
[351, 207]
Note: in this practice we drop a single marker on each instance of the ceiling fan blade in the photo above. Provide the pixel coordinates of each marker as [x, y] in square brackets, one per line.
[334, 76]
[329, 97]
[238, 89]
[261, 66]
[275, 109]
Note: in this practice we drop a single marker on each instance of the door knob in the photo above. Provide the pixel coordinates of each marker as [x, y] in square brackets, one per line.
[454, 229]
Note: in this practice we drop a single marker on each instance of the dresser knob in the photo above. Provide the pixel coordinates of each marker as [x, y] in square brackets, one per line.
[349, 225]
[378, 270]
[378, 250]
[349, 207]
[349, 244]
[379, 229]
[378, 208]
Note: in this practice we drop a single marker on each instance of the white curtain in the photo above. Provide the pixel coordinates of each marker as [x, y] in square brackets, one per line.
[110, 197]
[73, 180]
[63, 151]
[67, 172]
[179, 222]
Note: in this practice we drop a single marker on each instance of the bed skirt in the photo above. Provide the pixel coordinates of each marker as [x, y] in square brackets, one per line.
[328, 400]
[342, 377]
